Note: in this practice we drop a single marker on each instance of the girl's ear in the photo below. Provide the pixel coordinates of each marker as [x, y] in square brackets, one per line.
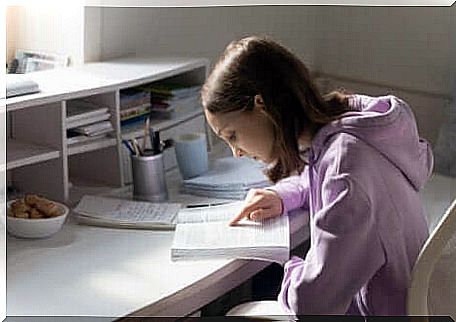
[259, 103]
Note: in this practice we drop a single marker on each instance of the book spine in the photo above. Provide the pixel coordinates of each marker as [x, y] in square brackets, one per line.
[135, 111]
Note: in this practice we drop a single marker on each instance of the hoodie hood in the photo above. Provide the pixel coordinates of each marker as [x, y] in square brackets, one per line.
[388, 125]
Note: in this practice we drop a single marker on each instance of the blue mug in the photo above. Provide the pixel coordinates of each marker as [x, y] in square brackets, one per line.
[191, 154]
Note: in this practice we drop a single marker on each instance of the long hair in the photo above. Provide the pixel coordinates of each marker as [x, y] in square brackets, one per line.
[258, 65]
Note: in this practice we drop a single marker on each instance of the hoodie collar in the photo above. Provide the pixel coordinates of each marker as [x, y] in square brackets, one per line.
[387, 124]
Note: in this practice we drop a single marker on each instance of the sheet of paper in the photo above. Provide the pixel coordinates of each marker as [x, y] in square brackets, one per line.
[221, 213]
[127, 210]
[213, 235]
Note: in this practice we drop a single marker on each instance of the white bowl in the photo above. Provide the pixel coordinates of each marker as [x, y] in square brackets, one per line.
[35, 228]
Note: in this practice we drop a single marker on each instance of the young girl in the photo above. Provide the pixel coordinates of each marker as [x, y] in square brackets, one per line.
[355, 162]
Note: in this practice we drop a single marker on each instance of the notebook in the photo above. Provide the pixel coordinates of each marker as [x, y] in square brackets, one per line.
[122, 213]
[94, 129]
[204, 233]
[19, 84]
[229, 178]
[80, 112]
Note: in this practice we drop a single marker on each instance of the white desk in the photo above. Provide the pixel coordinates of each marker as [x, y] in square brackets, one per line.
[84, 270]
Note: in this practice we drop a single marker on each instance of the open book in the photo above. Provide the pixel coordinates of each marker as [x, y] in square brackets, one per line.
[204, 233]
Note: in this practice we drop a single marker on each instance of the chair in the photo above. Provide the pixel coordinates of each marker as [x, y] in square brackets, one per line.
[262, 310]
[433, 283]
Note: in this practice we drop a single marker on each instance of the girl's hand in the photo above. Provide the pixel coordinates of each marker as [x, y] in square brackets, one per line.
[259, 204]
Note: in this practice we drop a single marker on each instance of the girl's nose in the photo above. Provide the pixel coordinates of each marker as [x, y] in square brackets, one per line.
[237, 153]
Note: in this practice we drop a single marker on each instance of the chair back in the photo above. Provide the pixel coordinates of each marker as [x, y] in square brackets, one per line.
[433, 280]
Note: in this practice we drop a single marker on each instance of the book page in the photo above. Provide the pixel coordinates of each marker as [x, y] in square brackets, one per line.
[220, 213]
[219, 235]
[127, 210]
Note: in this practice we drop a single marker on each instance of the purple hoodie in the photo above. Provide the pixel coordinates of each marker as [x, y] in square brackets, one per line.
[367, 221]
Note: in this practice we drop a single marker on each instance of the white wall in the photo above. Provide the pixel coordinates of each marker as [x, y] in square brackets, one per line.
[201, 31]
[411, 47]
[54, 29]
[92, 34]
[401, 47]
[407, 46]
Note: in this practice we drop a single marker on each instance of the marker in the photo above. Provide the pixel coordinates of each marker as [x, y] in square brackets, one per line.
[155, 141]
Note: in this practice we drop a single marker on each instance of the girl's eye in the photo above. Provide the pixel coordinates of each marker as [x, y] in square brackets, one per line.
[232, 137]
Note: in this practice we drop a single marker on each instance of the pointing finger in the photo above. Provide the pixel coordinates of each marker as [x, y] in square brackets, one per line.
[244, 213]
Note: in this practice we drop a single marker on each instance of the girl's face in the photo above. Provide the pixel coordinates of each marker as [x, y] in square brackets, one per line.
[248, 133]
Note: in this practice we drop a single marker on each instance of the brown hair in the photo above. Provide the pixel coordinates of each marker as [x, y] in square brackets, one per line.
[258, 65]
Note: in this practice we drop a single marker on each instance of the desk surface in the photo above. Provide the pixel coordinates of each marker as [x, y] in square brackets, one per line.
[84, 270]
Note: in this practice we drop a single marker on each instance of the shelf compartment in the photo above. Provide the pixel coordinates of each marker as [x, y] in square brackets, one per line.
[22, 153]
[83, 147]
[136, 131]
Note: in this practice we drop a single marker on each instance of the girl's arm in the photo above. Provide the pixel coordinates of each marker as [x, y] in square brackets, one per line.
[344, 254]
[294, 191]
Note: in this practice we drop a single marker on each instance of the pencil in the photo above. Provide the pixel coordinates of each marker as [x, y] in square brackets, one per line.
[134, 143]
[146, 132]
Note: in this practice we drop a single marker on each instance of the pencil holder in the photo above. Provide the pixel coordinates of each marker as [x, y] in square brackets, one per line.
[149, 178]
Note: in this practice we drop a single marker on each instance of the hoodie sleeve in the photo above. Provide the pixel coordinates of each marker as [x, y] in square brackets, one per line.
[294, 191]
[345, 253]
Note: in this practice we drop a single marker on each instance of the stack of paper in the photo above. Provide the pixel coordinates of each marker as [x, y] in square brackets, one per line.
[228, 178]
[94, 129]
[175, 107]
[170, 100]
[121, 213]
[134, 105]
[86, 121]
[81, 113]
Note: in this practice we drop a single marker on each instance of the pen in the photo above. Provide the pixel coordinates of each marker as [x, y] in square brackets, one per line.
[127, 145]
[205, 205]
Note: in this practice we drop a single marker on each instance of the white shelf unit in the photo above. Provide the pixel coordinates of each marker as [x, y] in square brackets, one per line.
[39, 159]
[22, 153]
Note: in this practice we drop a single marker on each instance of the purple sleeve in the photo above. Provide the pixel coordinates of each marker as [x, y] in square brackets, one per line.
[345, 253]
[294, 191]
